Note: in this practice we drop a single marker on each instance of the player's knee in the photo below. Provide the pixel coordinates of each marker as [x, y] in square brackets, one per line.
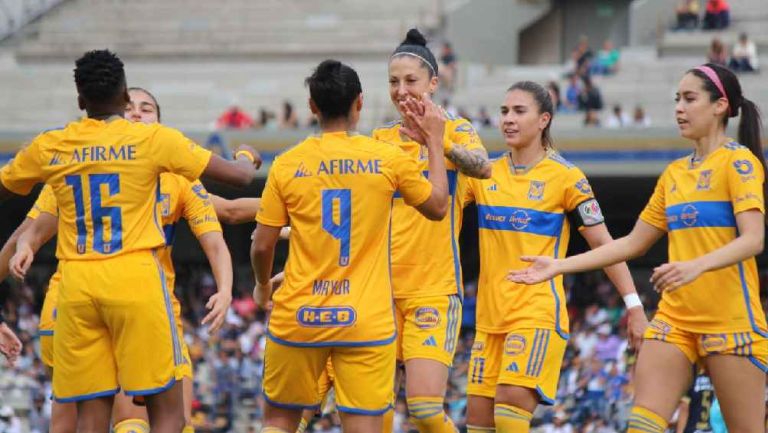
[428, 416]
[132, 425]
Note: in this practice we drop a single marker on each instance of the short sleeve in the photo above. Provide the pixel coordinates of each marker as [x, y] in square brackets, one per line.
[745, 182]
[198, 209]
[579, 201]
[655, 212]
[463, 134]
[175, 153]
[24, 171]
[411, 183]
[46, 202]
[272, 208]
[465, 192]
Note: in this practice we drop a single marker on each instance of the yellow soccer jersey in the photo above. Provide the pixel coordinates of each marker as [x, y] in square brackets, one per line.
[415, 273]
[46, 202]
[182, 198]
[696, 205]
[105, 179]
[336, 191]
[526, 214]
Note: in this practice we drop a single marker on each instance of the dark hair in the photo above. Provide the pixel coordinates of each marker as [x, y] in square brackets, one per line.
[415, 44]
[333, 86]
[543, 100]
[151, 96]
[99, 76]
[750, 123]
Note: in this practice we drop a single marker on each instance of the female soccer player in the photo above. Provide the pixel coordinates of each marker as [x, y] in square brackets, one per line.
[427, 287]
[528, 204]
[126, 416]
[711, 204]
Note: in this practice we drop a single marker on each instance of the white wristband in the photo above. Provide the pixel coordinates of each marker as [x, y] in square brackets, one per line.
[632, 301]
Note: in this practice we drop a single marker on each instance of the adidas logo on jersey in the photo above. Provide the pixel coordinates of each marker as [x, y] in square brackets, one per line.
[513, 367]
[302, 171]
[430, 341]
[56, 159]
[493, 187]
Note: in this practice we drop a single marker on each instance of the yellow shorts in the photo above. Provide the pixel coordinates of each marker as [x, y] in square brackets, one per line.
[696, 346]
[428, 327]
[185, 368]
[324, 384]
[364, 376]
[47, 321]
[530, 358]
[115, 325]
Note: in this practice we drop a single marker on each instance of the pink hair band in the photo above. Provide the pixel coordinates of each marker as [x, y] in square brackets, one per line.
[712, 75]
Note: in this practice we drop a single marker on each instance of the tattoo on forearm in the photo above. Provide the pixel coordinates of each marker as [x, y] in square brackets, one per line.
[473, 163]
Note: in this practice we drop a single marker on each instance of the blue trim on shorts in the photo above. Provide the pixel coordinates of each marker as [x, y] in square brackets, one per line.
[745, 291]
[334, 343]
[453, 180]
[152, 391]
[544, 399]
[758, 364]
[288, 405]
[45, 333]
[177, 356]
[85, 397]
[356, 411]
[559, 330]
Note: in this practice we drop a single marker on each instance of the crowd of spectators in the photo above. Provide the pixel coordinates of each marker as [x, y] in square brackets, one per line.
[235, 118]
[594, 395]
[717, 15]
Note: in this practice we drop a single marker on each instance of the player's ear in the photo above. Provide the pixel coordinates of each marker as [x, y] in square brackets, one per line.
[359, 102]
[313, 107]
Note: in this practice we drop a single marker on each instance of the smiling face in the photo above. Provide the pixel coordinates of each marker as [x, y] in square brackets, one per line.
[409, 77]
[141, 108]
[695, 113]
[521, 122]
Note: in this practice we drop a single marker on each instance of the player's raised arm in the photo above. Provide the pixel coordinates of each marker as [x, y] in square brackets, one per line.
[427, 121]
[9, 248]
[40, 231]
[240, 172]
[236, 211]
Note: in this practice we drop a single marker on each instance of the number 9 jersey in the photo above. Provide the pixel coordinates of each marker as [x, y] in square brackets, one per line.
[336, 192]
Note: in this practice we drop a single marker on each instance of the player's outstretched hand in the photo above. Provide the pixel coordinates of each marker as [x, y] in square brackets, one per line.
[255, 155]
[219, 305]
[430, 123]
[262, 293]
[409, 128]
[670, 276]
[542, 268]
[21, 261]
[636, 324]
[10, 346]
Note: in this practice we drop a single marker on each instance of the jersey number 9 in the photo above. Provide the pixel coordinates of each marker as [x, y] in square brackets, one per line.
[98, 212]
[341, 230]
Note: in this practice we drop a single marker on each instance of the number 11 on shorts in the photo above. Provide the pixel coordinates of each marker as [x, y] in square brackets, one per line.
[340, 199]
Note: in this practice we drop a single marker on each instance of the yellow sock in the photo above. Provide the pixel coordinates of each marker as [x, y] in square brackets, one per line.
[428, 416]
[511, 419]
[132, 425]
[302, 425]
[476, 429]
[642, 420]
[188, 429]
[388, 421]
[269, 429]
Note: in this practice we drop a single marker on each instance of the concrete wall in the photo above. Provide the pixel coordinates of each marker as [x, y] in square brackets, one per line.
[540, 43]
[597, 19]
[645, 19]
[486, 31]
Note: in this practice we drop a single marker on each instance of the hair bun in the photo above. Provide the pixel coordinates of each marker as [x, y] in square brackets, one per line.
[414, 37]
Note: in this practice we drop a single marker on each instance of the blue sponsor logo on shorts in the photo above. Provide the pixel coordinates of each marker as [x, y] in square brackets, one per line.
[427, 318]
[326, 317]
[514, 345]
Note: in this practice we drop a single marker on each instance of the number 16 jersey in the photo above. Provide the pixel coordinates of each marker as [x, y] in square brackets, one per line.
[336, 192]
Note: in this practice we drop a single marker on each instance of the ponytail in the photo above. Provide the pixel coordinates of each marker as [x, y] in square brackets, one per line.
[750, 136]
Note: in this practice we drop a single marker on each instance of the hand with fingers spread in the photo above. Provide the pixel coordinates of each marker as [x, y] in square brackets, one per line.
[10, 346]
[21, 261]
[219, 305]
[543, 268]
[430, 123]
[409, 128]
[671, 276]
[262, 293]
